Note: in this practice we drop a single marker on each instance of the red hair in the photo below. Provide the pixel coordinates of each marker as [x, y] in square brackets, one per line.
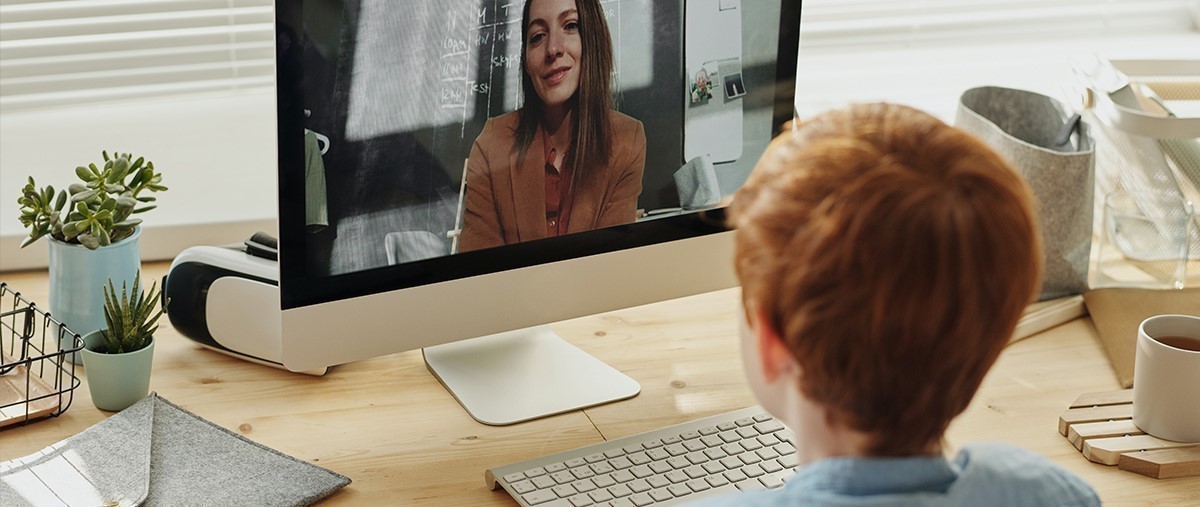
[894, 255]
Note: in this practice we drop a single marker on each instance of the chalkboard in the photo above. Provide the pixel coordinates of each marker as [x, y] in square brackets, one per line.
[409, 84]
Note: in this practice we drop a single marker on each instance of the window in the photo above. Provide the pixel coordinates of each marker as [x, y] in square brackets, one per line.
[62, 52]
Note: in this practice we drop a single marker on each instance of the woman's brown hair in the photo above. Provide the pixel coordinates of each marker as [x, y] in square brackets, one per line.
[592, 102]
[894, 255]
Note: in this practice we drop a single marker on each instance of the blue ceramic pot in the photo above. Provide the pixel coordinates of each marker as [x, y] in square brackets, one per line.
[116, 381]
[77, 279]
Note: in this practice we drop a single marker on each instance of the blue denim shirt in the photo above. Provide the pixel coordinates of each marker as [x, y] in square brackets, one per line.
[980, 475]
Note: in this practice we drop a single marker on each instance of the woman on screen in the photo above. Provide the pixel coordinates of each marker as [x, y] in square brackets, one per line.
[566, 162]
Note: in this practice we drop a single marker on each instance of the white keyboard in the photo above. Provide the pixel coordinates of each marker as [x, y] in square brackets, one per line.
[742, 450]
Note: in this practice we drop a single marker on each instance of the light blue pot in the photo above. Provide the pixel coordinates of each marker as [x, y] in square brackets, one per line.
[77, 278]
[116, 381]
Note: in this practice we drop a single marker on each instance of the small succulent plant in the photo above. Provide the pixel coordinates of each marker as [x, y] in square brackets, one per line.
[131, 318]
[98, 211]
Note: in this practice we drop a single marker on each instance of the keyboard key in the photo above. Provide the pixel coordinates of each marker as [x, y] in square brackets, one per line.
[535, 472]
[658, 481]
[754, 471]
[735, 475]
[593, 458]
[688, 435]
[601, 468]
[603, 481]
[731, 462]
[751, 445]
[710, 430]
[557, 467]
[745, 421]
[564, 491]
[696, 458]
[762, 418]
[771, 481]
[716, 480]
[632, 448]
[695, 472]
[651, 444]
[581, 501]
[544, 482]
[771, 466]
[582, 472]
[712, 441]
[726, 426]
[622, 476]
[661, 467]
[511, 478]
[714, 467]
[768, 440]
[747, 432]
[676, 449]
[639, 485]
[766, 453]
[563, 477]
[538, 497]
[679, 462]
[768, 427]
[732, 449]
[583, 486]
[679, 490]
[658, 454]
[600, 495]
[676, 477]
[621, 490]
[522, 487]
[621, 502]
[749, 458]
[729, 436]
[789, 461]
[698, 485]
[639, 458]
[620, 463]
[614, 453]
[750, 486]
[575, 462]
[694, 445]
[783, 449]
[671, 440]
[641, 499]
[641, 471]
[661, 495]
[715, 453]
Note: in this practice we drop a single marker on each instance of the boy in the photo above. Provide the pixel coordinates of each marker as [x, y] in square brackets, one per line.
[885, 259]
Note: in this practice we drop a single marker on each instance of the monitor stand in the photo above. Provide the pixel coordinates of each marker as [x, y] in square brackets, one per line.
[521, 375]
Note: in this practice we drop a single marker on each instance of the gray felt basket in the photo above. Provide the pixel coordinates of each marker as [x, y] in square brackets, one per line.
[1054, 151]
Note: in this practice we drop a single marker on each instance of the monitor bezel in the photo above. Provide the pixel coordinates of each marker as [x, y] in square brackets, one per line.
[299, 289]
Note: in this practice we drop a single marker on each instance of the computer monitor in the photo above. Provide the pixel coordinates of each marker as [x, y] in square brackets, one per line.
[423, 191]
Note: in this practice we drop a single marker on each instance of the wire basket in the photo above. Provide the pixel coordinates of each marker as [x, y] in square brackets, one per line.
[36, 380]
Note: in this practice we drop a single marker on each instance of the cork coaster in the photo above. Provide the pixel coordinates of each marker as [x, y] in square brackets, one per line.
[1101, 426]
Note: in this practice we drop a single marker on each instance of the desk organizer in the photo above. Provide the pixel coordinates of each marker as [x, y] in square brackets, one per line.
[36, 380]
[1101, 426]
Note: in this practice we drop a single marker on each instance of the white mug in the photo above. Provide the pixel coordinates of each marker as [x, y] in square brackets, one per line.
[1166, 378]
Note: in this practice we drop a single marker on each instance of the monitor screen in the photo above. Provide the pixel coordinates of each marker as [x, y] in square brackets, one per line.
[423, 141]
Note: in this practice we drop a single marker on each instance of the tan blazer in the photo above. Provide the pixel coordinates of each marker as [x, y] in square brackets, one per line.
[506, 203]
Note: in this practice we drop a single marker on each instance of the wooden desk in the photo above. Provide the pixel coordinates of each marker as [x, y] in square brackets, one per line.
[390, 426]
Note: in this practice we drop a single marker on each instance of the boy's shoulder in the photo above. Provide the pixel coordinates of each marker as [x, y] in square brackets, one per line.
[1007, 471]
[987, 474]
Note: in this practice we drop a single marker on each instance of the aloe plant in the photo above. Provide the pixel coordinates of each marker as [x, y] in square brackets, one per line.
[96, 212]
[131, 318]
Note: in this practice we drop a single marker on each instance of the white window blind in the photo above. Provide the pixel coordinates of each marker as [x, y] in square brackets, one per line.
[62, 52]
[855, 24]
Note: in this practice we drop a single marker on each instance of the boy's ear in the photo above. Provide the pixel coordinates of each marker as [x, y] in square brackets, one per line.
[774, 357]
